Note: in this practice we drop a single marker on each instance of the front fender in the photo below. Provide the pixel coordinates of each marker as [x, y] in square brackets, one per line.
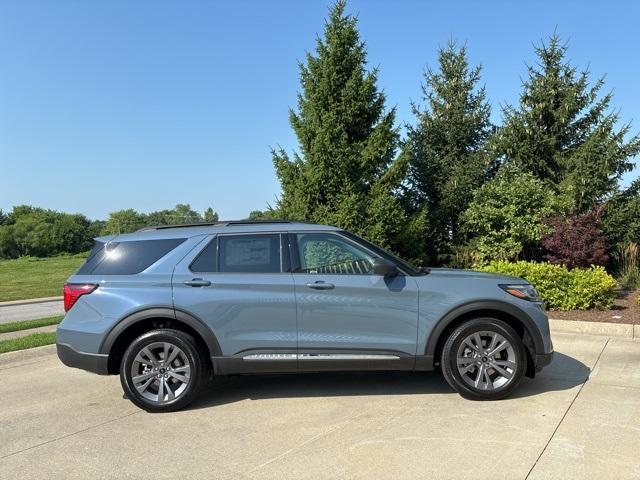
[484, 307]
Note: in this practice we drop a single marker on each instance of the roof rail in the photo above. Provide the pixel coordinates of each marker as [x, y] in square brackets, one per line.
[225, 223]
[182, 225]
[256, 222]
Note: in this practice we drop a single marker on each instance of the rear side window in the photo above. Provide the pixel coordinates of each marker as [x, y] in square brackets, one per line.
[250, 254]
[207, 259]
[127, 258]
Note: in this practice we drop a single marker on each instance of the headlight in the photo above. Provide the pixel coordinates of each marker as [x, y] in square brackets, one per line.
[525, 292]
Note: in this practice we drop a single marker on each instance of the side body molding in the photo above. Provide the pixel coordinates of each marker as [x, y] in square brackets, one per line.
[162, 312]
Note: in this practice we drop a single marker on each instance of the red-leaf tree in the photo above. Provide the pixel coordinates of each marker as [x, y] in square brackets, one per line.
[576, 240]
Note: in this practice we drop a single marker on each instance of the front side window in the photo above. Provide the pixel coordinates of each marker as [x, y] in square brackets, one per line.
[249, 254]
[332, 254]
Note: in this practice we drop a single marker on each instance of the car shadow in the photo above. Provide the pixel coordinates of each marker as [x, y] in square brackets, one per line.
[564, 373]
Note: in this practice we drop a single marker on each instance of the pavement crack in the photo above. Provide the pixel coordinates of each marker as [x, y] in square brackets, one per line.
[567, 411]
[67, 435]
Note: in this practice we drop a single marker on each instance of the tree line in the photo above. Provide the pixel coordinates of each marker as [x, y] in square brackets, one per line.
[32, 231]
[457, 189]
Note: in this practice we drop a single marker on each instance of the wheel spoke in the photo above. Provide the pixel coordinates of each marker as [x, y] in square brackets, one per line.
[142, 388]
[505, 363]
[478, 340]
[501, 371]
[167, 387]
[181, 378]
[172, 356]
[466, 360]
[479, 376]
[470, 344]
[141, 378]
[487, 380]
[149, 354]
[504, 344]
[494, 340]
[161, 390]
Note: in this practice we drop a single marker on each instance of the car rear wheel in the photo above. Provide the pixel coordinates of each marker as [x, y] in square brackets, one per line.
[483, 359]
[162, 370]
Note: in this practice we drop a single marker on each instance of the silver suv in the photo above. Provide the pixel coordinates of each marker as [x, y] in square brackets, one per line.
[169, 307]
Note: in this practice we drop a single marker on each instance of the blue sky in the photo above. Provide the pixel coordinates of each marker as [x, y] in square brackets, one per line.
[114, 104]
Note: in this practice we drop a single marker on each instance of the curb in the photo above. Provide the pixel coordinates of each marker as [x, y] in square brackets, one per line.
[30, 301]
[618, 330]
[17, 358]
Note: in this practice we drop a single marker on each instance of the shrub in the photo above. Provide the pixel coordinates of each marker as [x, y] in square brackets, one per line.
[504, 220]
[561, 288]
[576, 240]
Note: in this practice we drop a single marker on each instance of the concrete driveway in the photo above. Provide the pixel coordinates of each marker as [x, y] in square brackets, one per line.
[57, 422]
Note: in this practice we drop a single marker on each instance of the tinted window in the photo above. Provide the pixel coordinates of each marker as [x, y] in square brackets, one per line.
[250, 253]
[206, 260]
[325, 253]
[127, 258]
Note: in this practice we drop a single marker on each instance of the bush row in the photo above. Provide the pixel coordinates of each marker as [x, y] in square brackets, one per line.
[561, 288]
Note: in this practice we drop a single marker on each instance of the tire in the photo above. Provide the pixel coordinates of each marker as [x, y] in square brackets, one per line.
[160, 387]
[483, 373]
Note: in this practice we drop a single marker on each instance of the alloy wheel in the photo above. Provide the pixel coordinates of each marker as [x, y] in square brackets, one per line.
[160, 372]
[486, 361]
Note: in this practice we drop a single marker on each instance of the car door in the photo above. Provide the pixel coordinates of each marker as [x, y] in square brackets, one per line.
[241, 286]
[347, 315]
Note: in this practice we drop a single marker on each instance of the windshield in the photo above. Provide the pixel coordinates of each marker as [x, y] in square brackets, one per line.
[406, 266]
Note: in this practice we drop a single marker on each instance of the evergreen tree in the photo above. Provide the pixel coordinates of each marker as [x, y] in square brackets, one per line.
[446, 150]
[345, 173]
[210, 215]
[564, 132]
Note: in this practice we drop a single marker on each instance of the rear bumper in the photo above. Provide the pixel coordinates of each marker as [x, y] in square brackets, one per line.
[92, 362]
[542, 360]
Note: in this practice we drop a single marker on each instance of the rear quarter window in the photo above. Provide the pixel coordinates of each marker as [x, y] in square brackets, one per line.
[126, 258]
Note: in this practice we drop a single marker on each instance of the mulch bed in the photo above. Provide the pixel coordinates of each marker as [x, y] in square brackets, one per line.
[624, 310]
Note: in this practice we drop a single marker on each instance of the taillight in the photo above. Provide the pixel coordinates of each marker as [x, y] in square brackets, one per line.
[73, 291]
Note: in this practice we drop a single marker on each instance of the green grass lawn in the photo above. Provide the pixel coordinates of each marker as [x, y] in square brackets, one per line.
[31, 277]
[28, 324]
[30, 341]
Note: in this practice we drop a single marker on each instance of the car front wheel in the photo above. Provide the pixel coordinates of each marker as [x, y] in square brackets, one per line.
[483, 359]
[161, 371]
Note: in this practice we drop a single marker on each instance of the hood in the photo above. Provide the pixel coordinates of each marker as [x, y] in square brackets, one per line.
[473, 274]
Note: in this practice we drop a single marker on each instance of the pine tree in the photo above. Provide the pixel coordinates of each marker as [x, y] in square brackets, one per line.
[210, 215]
[446, 150]
[345, 173]
[564, 132]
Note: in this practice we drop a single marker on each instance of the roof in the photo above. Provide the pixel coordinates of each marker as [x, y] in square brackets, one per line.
[232, 226]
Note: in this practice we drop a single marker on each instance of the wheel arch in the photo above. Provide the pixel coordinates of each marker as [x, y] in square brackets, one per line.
[137, 323]
[510, 314]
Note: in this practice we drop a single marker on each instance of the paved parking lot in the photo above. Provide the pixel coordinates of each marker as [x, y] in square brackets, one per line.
[57, 422]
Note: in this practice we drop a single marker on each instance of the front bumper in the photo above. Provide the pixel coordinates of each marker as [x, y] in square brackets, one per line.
[92, 362]
[543, 359]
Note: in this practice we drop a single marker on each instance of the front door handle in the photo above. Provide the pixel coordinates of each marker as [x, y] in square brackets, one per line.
[197, 282]
[320, 285]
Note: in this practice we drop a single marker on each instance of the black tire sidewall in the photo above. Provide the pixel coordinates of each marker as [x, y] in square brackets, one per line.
[182, 340]
[449, 358]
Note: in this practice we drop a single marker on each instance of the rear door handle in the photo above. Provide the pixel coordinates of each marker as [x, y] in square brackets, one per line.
[197, 282]
[320, 285]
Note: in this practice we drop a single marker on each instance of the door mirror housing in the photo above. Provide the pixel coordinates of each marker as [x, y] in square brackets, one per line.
[382, 266]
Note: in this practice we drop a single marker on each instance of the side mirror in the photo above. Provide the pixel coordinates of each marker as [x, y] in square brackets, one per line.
[384, 267]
